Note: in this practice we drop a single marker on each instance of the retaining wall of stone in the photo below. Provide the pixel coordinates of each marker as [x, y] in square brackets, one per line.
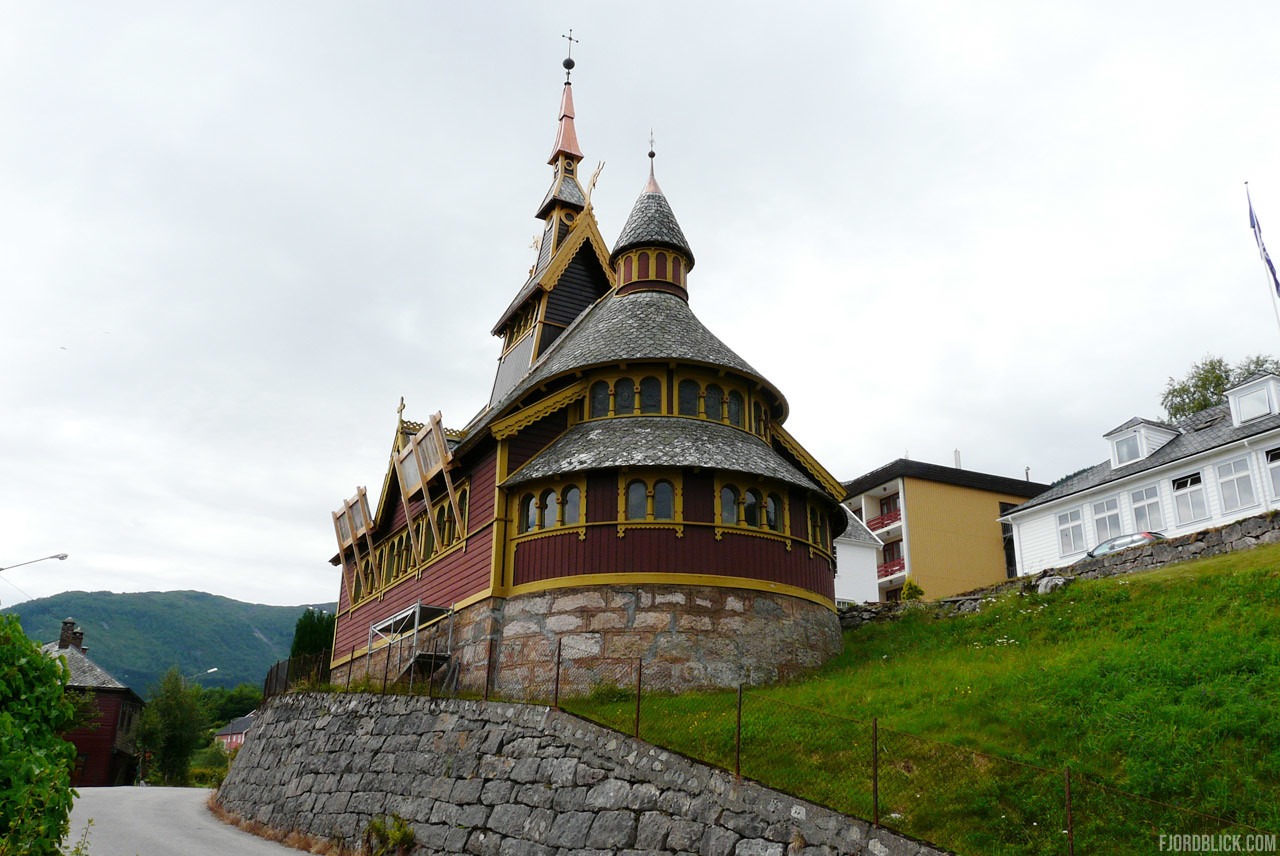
[514, 780]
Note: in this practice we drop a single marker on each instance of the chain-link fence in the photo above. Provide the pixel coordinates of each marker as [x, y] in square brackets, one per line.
[955, 797]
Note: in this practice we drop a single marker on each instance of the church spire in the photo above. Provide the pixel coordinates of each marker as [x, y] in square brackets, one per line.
[652, 253]
[565, 192]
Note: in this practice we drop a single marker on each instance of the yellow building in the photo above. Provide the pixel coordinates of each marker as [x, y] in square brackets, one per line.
[940, 525]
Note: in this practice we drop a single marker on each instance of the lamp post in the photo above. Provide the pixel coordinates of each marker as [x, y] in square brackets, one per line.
[198, 674]
[58, 556]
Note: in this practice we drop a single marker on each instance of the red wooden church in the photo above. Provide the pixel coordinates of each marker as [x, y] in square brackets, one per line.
[629, 491]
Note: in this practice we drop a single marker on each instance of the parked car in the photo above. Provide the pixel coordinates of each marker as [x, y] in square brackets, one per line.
[1121, 542]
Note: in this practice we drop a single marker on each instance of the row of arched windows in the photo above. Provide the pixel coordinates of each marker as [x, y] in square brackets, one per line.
[710, 402]
[636, 266]
[625, 397]
[751, 507]
[551, 508]
[650, 501]
[394, 559]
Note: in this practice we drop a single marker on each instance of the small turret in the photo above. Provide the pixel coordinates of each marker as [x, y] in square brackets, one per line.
[652, 253]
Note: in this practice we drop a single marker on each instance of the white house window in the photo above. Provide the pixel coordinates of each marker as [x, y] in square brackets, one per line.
[1235, 484]
[1273, 464]
[1106, 518]
[1188, 499]
[1146, 509]
[1127, 449]
[1070, 532]
[1254, 404]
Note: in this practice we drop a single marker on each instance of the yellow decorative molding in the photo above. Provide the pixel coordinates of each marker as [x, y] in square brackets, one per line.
[516, 422]
[828, 482]
[584, 231]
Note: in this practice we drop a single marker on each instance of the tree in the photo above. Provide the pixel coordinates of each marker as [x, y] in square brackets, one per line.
[313, 634]
[172, 728]
[35, 763]
[1207, 382]
[222, 705]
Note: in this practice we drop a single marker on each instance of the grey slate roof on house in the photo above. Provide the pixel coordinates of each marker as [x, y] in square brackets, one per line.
[947, 475]
[1202, 432]
[85, 674]
[652, 224]
[239, 725]
[858, 530]
[669, 441]
[1138, 420]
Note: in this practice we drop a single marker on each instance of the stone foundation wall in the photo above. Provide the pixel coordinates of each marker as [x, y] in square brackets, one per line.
[683, 637]
[507, 780]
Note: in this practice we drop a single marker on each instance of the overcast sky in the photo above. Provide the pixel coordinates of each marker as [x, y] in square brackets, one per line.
[232, 235]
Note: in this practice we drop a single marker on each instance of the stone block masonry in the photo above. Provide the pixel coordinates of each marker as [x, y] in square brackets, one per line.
[497, 779]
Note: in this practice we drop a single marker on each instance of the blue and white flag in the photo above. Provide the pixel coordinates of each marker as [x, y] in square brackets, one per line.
[1262, 248]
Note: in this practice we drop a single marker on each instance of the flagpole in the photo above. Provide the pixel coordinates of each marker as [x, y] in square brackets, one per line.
[1266, 258]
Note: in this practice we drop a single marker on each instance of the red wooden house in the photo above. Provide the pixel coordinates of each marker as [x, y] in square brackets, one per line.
[105, 751]
[629, 491]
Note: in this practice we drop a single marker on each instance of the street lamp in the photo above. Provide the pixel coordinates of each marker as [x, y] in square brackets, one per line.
[198, 674]
[58, 556]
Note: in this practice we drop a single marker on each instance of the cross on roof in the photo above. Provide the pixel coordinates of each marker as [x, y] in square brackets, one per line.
[571, 41]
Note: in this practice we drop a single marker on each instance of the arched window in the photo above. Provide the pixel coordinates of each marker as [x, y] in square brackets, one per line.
[644, 266]
[572, 502]
[735, 408]
[688, 397]
[637, 500]
[715, 402]
[751, 503]
[426, 541]
[528, 514]
[624, 396]
[444, 522]
[628, 270]
[357, 585]
[662, 266]
[757, 417]
[773, 512]
[650, 395]
[550, 505]
[729, 505]
[462, 509]
[664, 501]
[599, 399]
[677, 270]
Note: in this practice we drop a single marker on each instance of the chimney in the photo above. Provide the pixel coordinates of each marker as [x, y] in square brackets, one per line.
[77, 640]
[68, 633]
[958, 459]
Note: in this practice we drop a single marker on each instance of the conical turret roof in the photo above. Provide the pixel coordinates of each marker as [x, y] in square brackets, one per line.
[652, 223]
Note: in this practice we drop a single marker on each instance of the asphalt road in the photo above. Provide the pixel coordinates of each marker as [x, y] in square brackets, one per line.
[160, 822]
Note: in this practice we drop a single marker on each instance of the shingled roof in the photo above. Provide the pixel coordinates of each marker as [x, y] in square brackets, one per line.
[659, 441]
[903, 467]
[1203, 432]
[652, 224]
[85, 674]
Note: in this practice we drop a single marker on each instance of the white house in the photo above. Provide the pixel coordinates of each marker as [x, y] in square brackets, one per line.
[856, 560]
[1218, 465]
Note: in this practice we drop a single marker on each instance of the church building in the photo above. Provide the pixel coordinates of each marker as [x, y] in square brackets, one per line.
[629, 493]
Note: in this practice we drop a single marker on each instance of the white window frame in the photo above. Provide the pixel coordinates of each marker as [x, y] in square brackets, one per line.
[1189, 492]
[1264, 394]
[1121, 460]
[1273, 466]
[1109, 517]
[1073, 528]
[1240, 474]
[1142, 499]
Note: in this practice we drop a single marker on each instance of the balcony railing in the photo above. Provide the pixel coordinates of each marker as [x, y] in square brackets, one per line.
[888, 569]
[884, 521]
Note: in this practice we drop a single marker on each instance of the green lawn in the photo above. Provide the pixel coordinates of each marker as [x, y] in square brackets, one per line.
[1164, 684]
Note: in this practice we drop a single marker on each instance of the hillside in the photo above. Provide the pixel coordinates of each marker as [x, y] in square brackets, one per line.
[137, 637]
[1163, 684]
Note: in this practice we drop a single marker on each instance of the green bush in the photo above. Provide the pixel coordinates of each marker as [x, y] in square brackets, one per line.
[35, 763]
[388, 836]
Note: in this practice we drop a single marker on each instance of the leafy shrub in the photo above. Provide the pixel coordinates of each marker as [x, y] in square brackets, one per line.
[912, 591]
[388, 836]
[35, 763]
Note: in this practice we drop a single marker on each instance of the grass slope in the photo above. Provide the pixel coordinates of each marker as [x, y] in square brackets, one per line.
[1165, 684]
[137, 637]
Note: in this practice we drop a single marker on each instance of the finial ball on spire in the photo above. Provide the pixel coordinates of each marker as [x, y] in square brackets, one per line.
[568, 63]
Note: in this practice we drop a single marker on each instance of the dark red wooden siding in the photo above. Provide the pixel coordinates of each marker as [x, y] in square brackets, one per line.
[535, 438]
[94, 743]
[457, 576]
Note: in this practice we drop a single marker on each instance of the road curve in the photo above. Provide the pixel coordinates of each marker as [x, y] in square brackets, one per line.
[161, 822]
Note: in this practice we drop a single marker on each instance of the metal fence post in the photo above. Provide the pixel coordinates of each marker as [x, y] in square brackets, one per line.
[555, 699]
[737, 740]
[639, 684]
[875, 771]
[386, 666]
[1071, 833]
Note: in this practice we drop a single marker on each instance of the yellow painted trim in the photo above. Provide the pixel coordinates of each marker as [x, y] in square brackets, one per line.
[585, 230]
[640, 578]
[828, 482]
[513, 424]
[649, 478]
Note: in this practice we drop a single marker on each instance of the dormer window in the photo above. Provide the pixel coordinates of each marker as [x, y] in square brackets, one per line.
[1253, 405]
[1127, 449]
